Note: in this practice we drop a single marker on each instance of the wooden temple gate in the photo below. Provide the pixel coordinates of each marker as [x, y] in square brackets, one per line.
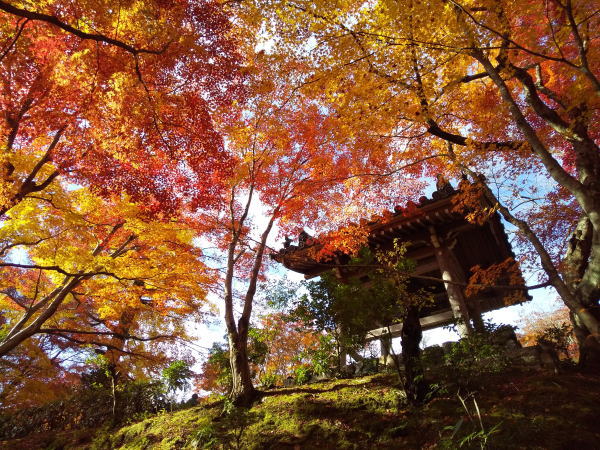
[444, 246]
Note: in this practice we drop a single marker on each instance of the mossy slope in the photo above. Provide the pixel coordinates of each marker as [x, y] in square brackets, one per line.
[528, 410]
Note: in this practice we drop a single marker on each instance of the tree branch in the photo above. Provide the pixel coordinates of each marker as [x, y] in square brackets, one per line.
[39, 267]
[52, 20]
[122, 336]
[15, 39]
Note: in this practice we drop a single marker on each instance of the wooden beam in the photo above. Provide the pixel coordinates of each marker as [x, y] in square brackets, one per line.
[426, 268]
[427, 323]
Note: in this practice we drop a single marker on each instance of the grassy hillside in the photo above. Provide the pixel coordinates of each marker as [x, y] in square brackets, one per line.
[517, 410]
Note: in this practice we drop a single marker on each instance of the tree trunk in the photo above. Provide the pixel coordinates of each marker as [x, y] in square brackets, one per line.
[342, 354]
[112, 372]
[414, 383]
[580, 294]
[581, 274]
[588, 341]
[242, 390]
[475, 313]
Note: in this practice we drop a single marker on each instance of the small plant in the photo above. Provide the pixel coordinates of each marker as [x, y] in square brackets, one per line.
[370, 366]
[204, 437]
[234, 421]
[436, 389]
[478, 433]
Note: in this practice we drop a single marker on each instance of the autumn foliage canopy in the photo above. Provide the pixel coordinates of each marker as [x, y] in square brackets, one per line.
[153, 151]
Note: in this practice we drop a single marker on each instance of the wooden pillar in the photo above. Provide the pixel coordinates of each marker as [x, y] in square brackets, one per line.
[342, 358]
[385, 343]
[342, 353]
[451, 271]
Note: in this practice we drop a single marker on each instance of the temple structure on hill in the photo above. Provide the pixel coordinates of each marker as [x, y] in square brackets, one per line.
[444, 245]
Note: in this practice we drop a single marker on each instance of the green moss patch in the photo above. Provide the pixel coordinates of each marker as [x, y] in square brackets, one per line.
[518, 410]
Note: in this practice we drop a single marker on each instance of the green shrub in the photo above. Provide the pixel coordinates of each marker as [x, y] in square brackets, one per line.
[559, 337]
[90, 406]
[302, 374]
[323, 357]
[473, 356]
[268, 380]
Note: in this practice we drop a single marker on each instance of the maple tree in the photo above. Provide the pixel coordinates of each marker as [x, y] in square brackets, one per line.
[292, 170]
[110, 99]
[504, 92]
[273, 168]
[277, 346]
[97, 274]
[289, 345]
[117, 96]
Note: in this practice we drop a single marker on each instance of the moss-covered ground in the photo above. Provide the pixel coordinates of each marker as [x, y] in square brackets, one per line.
[532, 410]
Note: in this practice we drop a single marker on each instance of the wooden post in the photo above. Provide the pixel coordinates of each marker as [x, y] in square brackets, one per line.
[342, 353]
[451, 271]
[385, 343]
[342, 358]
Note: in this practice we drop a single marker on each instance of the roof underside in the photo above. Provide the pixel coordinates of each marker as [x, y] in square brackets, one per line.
[471, 244]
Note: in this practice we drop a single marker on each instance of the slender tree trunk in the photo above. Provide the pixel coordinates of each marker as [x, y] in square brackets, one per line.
[414, 383]
[242, 391]
[113, 377]
[395, 359]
